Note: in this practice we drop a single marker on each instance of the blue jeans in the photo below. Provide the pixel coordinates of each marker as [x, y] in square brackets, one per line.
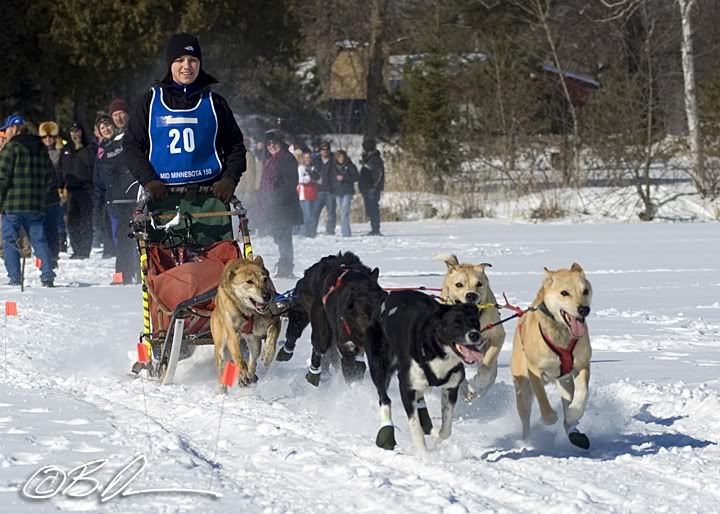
[32, 222]
[344, 202]
[327, 200]
[308, 212]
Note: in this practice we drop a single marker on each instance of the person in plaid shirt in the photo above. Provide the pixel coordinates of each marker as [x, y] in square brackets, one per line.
[26, 178]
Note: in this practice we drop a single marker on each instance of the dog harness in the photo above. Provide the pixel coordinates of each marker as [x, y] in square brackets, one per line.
[247, 327]
[564, 354]
[334, 287]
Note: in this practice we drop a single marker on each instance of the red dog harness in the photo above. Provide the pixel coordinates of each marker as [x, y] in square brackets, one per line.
[564, 354]
[335, 286]
[247, 327]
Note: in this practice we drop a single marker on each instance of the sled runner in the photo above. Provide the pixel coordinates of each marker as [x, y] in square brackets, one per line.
[184, 243]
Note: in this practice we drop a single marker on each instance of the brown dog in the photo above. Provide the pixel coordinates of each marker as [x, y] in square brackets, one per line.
[242, 313]
[552, 344]
[468, 283]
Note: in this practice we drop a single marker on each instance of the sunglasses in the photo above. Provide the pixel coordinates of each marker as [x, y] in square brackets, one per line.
[48, 137]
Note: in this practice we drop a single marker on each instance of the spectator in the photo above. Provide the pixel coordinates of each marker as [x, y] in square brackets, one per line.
[77, 161]
[49, 133]
[326, 189]
[308, 191]
[117, 190]
[26, 178]
[278, 200]
[346, 175]
[372, 183]
[119, 110]
[105, 223]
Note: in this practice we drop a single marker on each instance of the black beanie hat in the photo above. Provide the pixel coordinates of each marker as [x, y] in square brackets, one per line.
[182, 44]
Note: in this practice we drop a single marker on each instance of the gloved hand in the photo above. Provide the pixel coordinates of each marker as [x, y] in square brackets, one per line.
[157, 190]
[223, 189]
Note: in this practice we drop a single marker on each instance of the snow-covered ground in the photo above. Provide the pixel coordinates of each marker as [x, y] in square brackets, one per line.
[653, 416]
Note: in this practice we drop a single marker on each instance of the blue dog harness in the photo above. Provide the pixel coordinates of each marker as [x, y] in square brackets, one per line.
[182, 141]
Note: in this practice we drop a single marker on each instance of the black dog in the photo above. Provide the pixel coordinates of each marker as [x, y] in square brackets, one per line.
[426, 343]
[337, 296]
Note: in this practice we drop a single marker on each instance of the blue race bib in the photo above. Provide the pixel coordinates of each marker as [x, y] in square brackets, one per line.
[182, 141]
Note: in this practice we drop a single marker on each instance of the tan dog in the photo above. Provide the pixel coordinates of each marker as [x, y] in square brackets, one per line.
[242, 313]
[552, 344]
[468, 283]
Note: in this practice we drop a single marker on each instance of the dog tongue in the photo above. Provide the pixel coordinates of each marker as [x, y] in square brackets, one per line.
[470, 355]
[577, 327]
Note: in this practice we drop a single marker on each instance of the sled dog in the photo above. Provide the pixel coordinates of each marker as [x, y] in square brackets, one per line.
[468, 283]
[552, 344]
[242, 314]
[336, 295]
[428, 344]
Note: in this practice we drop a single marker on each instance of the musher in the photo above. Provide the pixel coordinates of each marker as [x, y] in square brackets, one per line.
[182, 133]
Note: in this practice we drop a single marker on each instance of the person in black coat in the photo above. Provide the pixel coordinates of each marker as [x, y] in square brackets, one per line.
[202, 145]
[117, 189]
[279, 205]
[76, 163]
[346, 174]
[372, 182]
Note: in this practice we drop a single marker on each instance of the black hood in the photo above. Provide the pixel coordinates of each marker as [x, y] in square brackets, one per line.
[32, 143]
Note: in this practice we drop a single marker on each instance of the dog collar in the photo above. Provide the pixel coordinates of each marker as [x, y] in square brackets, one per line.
[564, 354]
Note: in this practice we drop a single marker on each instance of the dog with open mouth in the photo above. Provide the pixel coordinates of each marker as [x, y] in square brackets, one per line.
[469, 283]
[427, 344]
[552, 344]
[242, 315]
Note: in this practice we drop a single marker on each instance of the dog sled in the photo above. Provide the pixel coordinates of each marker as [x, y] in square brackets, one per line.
[184, 243]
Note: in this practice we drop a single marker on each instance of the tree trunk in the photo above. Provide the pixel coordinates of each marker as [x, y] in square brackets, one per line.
[691, 110]
[375, 70]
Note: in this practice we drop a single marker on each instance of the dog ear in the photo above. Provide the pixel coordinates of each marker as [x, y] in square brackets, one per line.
[450, 259]
[577, 268]
[481, 267]
[375, 273]
[547, 275]
[259, 261]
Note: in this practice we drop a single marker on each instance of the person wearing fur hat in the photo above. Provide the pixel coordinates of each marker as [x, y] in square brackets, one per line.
[55, 232]
[181, 132]
[120, 113]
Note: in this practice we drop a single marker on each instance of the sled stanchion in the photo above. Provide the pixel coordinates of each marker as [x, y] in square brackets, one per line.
[178, 329]
[144, 358]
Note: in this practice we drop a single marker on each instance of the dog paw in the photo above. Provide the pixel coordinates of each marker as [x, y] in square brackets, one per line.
[425, 421]
[579, 439]
[386, 438]
[283, 355]
[549, 418]
[313, 378]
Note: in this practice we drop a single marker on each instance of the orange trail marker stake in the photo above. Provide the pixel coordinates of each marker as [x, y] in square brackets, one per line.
[117, 278]
[230, 374]
[10, 310]
[143, 354]
[229, 378]
[38, 262]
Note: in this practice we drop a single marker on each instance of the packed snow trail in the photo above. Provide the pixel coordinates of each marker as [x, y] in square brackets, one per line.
[652, 417]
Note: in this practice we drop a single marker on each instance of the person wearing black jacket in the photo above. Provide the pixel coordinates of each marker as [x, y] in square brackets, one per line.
[372, 182]
[201, 145]
[346, 174]
[116, 188]
[278, 201]
[325, 164]
[76, 163]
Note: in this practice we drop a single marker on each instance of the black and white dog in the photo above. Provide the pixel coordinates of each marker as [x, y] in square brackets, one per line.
[427, 343]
